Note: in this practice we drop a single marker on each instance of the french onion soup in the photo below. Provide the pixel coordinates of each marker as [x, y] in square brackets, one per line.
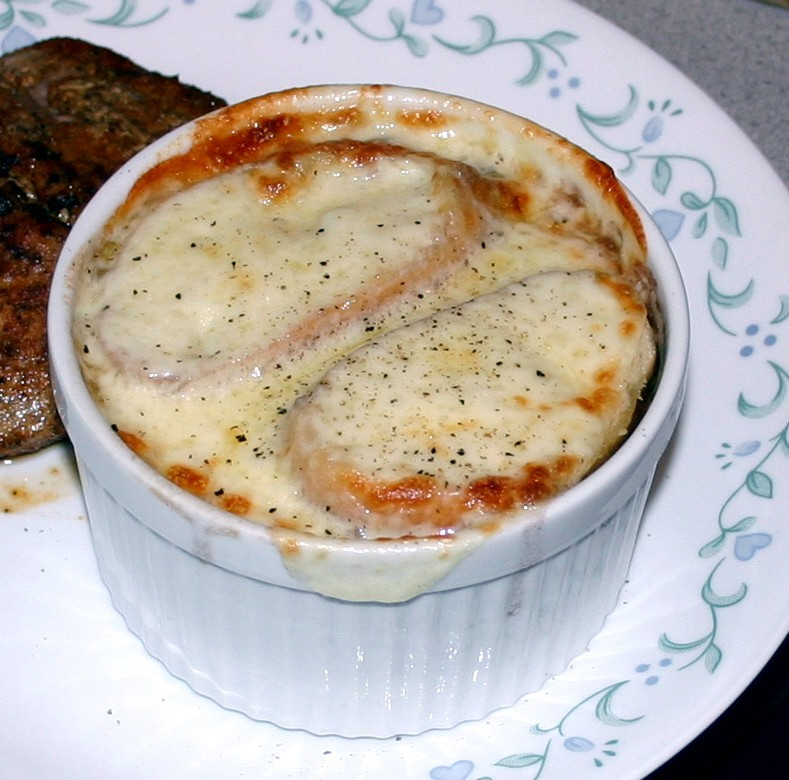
[363, 321]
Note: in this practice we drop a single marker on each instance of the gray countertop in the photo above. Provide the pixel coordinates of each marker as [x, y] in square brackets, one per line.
[737, 51]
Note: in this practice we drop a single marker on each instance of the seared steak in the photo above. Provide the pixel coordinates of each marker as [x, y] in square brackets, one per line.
[72, 113]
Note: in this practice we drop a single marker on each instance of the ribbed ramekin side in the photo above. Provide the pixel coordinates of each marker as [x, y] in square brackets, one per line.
[305, 661]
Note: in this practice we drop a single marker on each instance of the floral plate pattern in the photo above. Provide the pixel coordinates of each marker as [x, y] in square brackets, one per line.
[706, 602]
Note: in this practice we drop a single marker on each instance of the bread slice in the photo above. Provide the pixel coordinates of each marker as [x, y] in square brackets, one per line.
[273, 258]
[483, 408]
[72, 113]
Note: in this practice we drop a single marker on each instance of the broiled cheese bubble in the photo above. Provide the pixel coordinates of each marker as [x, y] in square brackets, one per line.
[484, 407]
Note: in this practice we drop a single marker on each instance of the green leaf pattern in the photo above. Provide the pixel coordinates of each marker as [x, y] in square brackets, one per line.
[126, 14]
[689, 188]
[712, 217]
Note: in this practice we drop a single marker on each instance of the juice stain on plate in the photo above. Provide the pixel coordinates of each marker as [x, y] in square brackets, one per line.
[25, 485]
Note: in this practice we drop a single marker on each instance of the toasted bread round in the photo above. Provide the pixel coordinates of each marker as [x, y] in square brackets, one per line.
[486, 407]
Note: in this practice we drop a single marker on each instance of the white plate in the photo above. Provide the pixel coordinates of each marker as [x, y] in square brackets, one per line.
[707, 601]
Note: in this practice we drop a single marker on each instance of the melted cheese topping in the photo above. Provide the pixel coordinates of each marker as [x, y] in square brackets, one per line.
[263, 261]
[484, 407]
[354, 339]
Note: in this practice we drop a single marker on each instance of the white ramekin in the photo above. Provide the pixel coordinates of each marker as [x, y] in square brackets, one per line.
[209, 596]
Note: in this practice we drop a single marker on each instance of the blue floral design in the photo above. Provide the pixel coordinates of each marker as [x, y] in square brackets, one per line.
[638, 138]
[303, 13]
[460, 770]
[652, 679]
[573, 82]
[751, 331]
[426, 12]
[742, 450]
